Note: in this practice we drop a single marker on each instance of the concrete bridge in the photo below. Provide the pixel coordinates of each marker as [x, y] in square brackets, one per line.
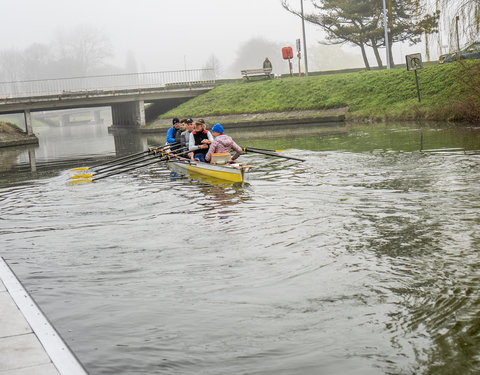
[126, 94]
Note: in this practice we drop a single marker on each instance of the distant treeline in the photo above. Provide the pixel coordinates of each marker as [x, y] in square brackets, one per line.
[78, 52]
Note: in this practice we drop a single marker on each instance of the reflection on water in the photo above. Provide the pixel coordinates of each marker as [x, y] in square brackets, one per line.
[362, 260]
[74, 143]
[129, 143]
[9, 157]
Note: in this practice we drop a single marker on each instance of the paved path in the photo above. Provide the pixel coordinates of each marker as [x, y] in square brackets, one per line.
[319, 115]
[28, 343]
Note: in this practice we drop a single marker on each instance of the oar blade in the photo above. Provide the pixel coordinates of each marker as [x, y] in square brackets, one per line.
[82, 176]
[80, 181]
[80, 169]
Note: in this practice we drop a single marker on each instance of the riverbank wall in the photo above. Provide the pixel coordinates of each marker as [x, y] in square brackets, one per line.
[266, 119]
[12, 135]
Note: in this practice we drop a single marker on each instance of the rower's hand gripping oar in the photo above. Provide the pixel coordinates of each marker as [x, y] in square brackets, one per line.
[127, 157]
[153, 152]
[168, 157]
[121, 166]
[269, 153]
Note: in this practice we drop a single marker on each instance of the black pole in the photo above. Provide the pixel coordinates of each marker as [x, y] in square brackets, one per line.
[418, 89]
[246, 149]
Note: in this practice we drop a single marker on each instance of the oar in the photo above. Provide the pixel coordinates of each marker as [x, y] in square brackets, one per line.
[149, 151]
[116, 165]
[121, 166]
[153, 152]
[264, 149]
[165, 158]
[269, 153]
[124, 158]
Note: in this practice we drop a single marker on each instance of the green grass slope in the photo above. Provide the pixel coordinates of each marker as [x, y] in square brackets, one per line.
[385, 94]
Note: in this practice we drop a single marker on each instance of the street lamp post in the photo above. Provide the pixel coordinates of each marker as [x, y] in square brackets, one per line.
[457, 18]
[304, 40]
[387, 45]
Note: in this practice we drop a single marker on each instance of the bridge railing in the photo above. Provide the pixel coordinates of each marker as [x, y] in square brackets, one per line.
[60, 86]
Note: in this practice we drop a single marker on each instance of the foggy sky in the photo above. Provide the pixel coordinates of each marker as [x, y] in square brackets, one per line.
[164, 34]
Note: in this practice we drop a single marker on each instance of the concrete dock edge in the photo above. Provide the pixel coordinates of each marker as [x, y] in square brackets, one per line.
[29, 344]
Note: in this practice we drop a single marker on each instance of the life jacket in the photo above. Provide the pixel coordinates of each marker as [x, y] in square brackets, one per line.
[177, 133]
[174, 132]
[199, 137]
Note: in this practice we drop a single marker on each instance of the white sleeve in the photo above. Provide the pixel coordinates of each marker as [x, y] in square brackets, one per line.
[191, 143]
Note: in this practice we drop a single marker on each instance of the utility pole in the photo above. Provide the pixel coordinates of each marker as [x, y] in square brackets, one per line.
[457, 18]
[387, 44]
[304, 40]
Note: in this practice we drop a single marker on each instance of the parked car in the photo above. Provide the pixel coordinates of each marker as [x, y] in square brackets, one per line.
[472, 51]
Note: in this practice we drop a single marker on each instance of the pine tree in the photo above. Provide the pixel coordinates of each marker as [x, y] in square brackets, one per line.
[360, 22]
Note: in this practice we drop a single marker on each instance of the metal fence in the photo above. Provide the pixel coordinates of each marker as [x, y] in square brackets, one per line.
[59, 86]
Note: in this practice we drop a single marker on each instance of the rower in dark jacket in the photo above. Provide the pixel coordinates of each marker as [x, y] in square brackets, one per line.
[200, 140]
[172, 132]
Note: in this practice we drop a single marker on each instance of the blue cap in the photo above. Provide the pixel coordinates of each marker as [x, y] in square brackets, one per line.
[217, 128]
[175, 120]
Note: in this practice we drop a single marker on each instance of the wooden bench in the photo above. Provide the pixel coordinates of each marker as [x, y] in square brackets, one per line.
[255, 73]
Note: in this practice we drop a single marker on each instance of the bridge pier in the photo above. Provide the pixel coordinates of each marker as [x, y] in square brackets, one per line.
[65, 120]
[28, 121]
[97, 117]
[128, 115]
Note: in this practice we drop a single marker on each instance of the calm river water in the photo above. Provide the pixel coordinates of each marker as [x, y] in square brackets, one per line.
[362, 260]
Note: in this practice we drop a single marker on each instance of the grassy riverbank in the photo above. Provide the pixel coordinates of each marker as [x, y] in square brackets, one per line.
[448, 92]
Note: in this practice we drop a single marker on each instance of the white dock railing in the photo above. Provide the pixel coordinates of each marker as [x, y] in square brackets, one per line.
[59, 86]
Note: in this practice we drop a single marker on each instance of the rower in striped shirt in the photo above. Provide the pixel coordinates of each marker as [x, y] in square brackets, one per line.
[222, 144]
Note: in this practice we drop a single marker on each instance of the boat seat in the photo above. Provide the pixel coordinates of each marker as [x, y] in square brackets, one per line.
[220, 158]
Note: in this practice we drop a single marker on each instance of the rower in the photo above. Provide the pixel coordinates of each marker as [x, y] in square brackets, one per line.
[185, 136]
[202, 121]
[172, 132]
[222, 144]
[183, 125]
[199, 142]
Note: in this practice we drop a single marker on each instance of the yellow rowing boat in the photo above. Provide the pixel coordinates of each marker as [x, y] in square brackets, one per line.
[233, 172]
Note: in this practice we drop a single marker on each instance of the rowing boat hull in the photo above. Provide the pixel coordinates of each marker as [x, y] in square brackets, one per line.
[231, 174]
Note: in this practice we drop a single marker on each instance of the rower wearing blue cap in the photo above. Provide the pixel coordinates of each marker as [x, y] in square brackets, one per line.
[222, 144]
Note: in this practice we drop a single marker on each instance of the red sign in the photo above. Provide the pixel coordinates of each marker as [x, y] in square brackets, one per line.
[287, 53]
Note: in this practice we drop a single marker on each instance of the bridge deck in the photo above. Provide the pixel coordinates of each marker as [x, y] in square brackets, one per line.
[96, 98]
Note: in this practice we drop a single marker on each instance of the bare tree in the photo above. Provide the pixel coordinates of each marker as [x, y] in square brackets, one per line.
[37, 60]
[331, 57]
[214, 64]
[455, 31]
[11, 62]
[131, 62]
[84, 48]
[252, 53]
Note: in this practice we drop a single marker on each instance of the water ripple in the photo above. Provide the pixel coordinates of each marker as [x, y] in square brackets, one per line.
[355, 263]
